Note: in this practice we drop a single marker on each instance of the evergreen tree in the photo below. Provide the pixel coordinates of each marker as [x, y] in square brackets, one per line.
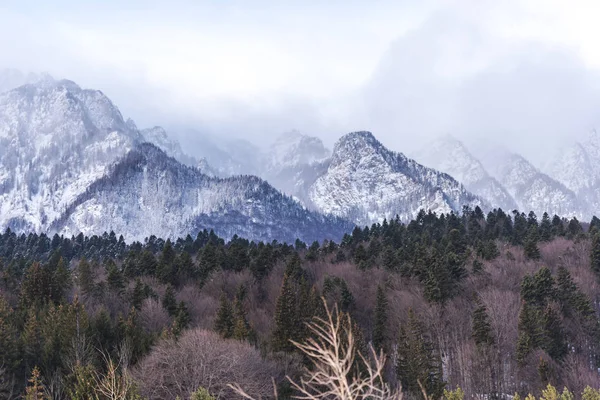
[169, 302]
[418, 362]
[530, 247]
[286, 318]
[182, 319]
[115, 278]
[530, 333]
[61, 281]
[482, 329]
[85, 277]
[380, 319]
[138, 295]
[165, 269]
[545, 229]
[595, 255]
[554, 338]
[224, 322]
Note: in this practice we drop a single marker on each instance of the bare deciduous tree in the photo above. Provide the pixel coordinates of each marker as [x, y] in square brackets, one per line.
[333, 354]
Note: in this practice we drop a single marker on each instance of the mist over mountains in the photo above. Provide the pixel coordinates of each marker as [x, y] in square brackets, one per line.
[70, 163]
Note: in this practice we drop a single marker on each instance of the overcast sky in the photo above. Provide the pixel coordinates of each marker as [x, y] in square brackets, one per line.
[525, 73]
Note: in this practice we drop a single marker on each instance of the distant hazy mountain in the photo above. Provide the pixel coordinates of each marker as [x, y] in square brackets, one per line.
[578, 168]
[532, 189]
[448, 154]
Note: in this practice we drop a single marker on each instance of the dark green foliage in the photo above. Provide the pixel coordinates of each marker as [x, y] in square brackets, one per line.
[595, 254]
[380, 319]
[554, 341]
[115, 278]
[224, 322]
[530, 245]
[287, 324]
[482, 329]
[169, 302]
[336, 290]
[418, 360]
[182, 319]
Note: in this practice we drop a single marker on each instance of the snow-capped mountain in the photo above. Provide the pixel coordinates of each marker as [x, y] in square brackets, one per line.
[365, 182]
[70, 163]
[13, 78]
[578, 168]
[448, 154]
[293, 162]
[148, 193]
[56, 139]
[532, 189]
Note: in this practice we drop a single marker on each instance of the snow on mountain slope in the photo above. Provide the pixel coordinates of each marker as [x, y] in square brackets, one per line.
[148, 193]
[293, 162]
[534, 190]
[449, 155]
[13, 78]
[365, 182]
[578, 168]
[55, 140]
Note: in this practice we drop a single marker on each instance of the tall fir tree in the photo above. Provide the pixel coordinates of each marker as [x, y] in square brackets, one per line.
[595, 255]
[481, 327]
[380, 319]
[418, 362]
[286, 318]
[224, 322]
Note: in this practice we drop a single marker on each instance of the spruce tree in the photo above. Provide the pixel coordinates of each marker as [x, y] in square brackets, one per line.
[380, 319]
[138, 294]
[169, 302]
[530, 247]
[115, 278]
[286, 318]
[482, 329]
[545, 229]
[595, 255]
[554, 341]
[182, 319]
[224, 322]
[418, 362]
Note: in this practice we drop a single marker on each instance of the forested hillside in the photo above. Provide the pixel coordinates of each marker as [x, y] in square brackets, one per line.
[497, 305]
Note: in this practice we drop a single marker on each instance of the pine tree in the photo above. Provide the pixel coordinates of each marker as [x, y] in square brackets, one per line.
[545, 229]
[165, 269]
[530, 333]
[169, 302]
[418, 362]
[85, 277]
[182, 319]
[286, 318]
[554, 338]
[61, 281]
[138, 295]
[224, 322]
[115, 278]
[530, 247]
[380, 319]
[595, 255]
[482, 329]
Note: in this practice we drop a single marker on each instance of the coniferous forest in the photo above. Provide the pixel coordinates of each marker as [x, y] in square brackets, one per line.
[468, 305]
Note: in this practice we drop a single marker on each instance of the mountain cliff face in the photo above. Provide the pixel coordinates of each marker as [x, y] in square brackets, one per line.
[148, 193]
[293, 163]
[534, 190]
[578, 168]
[365, 182]
[70, 163]
[55, 140]
[449, 155]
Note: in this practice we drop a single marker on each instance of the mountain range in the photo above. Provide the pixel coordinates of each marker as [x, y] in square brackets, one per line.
[70, 163]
